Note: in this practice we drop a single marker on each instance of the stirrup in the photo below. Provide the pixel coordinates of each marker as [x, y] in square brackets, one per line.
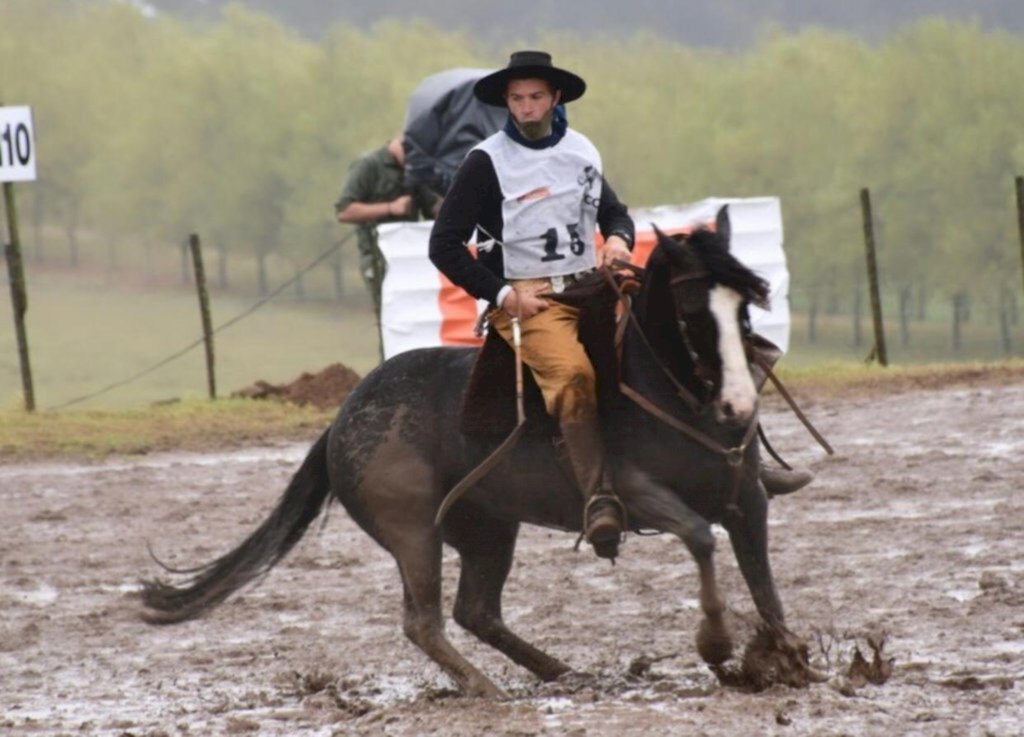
[605, 545]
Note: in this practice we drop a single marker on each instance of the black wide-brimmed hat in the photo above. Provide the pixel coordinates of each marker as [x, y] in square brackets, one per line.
[528, 65]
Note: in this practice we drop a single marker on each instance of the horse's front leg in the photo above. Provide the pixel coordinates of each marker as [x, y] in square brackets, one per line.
[776, 655]
[748, 532]
[653, 506]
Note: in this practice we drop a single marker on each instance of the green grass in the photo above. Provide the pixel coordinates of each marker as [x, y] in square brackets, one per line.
[202, 425]
[191, 425]
[825, 380]
[85, 335]
[929, 341]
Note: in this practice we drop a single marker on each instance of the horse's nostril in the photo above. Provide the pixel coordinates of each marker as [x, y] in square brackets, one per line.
[727, 410]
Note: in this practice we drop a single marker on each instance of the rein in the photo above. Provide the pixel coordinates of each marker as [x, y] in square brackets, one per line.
[733, 456]
[766, 367]
[754, 356]
[685, 394]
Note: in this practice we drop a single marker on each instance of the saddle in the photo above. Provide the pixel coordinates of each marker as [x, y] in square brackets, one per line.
[489, 402]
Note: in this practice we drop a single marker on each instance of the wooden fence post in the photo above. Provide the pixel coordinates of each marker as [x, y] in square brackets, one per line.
[19, 295]
[1020, 222]
[1005, 333]
[959, 315]
[204, 309]
[872, 264]
[184, 262]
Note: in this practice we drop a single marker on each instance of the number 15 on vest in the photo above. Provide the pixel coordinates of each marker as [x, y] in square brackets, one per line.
[17, 145]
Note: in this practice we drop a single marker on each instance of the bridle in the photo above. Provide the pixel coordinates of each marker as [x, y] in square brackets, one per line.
[678, 285]
[733, 455]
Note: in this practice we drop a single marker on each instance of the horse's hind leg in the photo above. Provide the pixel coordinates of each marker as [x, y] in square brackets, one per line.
[486, 547]
[397, 501]
[419, 561]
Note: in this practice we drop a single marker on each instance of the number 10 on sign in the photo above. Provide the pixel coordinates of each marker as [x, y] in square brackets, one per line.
[17, 145]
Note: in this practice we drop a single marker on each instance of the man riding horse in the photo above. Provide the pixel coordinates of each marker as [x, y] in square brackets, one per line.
[679, 418]
[535, 193]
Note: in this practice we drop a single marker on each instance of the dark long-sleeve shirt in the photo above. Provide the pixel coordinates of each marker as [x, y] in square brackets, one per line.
[476, 199]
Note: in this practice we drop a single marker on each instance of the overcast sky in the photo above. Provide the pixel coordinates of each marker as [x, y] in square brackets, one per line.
[723, 23]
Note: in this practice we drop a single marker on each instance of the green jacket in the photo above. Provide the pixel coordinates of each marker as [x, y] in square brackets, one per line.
[375, 177]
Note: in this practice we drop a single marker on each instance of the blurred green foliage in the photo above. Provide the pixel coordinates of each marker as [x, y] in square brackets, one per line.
[149, 129]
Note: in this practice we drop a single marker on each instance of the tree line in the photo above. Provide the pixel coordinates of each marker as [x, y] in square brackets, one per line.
[150, 129]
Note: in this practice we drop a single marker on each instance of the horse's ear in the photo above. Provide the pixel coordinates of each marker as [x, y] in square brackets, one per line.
[666, 242]
[722, 225]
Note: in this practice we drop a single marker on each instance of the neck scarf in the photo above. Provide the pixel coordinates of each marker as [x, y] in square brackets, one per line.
[559, 124]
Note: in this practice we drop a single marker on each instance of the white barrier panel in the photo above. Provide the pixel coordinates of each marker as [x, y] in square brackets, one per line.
[420, 308]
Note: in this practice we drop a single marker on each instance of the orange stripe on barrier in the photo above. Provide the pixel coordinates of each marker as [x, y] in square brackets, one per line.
[458, 313]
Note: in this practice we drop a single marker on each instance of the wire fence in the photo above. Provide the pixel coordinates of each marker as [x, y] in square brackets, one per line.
[927, 314]
[948, 273]
[272, 295]
[827, 326]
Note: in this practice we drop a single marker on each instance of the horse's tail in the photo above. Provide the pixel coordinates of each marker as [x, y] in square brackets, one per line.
[269, 543]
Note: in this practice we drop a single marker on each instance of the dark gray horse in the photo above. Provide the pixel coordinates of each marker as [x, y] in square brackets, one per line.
[680, 451]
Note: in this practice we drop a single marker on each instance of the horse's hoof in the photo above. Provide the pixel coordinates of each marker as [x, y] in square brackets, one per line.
[486, 690]
[714, 645]
[573, 682]
[554, 672]
[816, 676]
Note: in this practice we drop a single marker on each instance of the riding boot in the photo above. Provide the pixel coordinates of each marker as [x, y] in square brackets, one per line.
[780, 481]
[603, 513]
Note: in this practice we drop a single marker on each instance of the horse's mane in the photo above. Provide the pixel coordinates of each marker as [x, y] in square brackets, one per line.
[712, 249]
[704, 251]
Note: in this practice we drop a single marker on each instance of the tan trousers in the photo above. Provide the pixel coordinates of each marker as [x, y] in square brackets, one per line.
[556, 359]
[567, 382]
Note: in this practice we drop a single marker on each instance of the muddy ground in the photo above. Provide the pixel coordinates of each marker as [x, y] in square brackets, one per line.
[913, 530]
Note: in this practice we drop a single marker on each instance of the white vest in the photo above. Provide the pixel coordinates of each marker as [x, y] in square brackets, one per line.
[549, 204]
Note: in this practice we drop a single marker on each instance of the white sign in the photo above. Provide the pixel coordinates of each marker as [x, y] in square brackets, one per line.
[17, 145]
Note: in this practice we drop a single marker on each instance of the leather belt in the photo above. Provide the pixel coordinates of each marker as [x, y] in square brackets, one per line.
[556, 284]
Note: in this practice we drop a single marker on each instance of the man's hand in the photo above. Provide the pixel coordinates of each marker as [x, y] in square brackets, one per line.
[615, 248]
[523, 305]
[374, 212]
[400, 207]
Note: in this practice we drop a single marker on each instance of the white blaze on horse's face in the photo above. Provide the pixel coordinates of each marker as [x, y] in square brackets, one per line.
[738, 398]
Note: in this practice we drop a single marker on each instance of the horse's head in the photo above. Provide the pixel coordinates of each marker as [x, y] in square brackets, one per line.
[708, 292]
